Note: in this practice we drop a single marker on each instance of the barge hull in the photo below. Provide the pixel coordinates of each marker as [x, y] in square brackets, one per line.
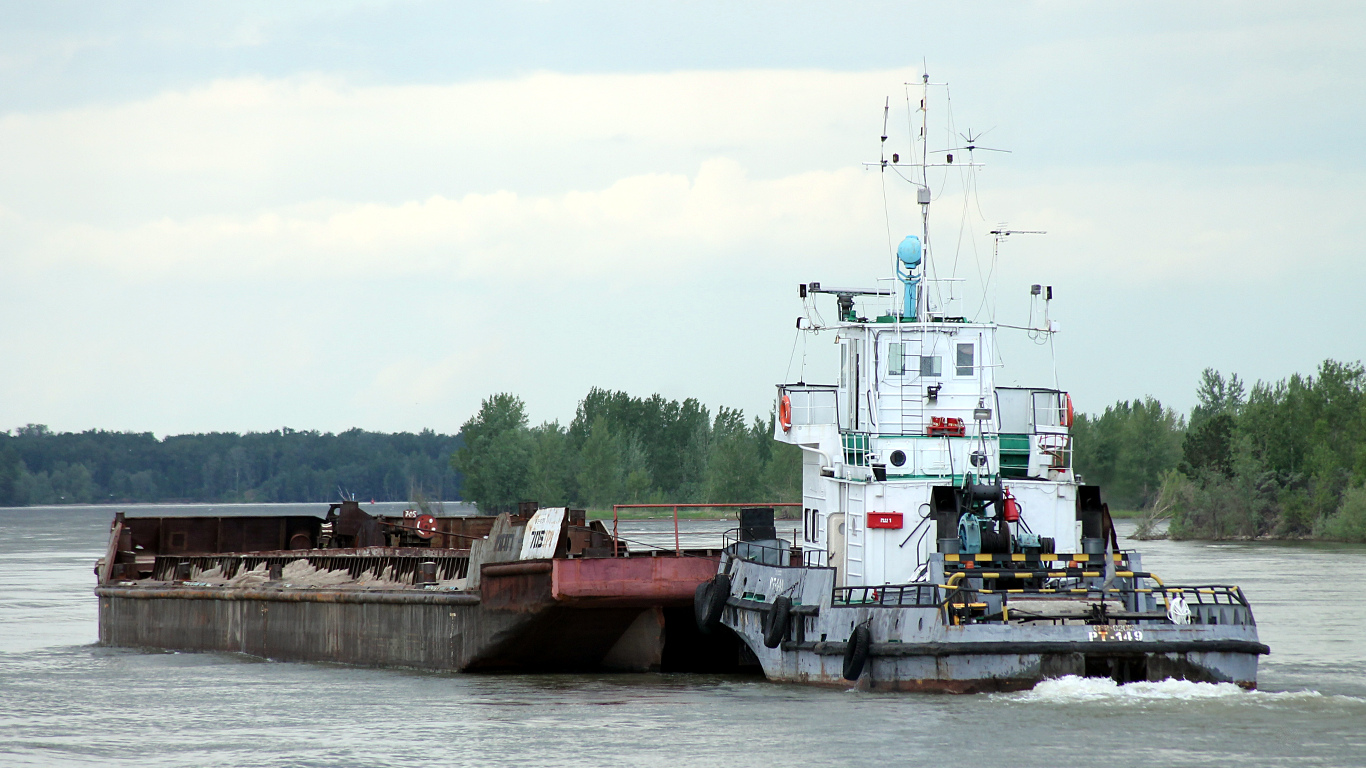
[547, 615]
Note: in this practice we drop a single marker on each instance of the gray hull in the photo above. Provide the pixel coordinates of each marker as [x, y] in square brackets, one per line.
[914, 649]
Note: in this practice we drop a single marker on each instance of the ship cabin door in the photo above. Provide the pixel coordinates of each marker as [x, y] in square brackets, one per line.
[834, 538]
[850, 382]
[855, 553]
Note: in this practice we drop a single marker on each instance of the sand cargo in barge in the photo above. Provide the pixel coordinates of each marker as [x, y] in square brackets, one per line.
[539, 590]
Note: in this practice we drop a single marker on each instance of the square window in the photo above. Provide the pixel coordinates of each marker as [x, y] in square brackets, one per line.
[964, 367]
[896, 361]
[929, 366]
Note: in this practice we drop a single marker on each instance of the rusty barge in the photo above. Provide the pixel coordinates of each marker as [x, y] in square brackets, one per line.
[536, 590]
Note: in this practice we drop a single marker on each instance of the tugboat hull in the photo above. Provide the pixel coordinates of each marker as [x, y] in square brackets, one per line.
[922, 649]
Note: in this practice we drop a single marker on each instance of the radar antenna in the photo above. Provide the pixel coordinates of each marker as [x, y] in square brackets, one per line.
[970, 145]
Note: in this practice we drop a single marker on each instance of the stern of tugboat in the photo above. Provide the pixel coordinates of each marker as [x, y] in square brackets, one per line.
[986, 623]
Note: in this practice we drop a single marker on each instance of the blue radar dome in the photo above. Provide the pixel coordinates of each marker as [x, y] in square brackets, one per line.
[909, 251]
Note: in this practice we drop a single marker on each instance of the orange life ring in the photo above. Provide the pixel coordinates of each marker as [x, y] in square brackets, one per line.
[785, 413]
[1068, 416]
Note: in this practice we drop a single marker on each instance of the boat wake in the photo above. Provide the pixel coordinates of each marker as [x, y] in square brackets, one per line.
[1071, 689]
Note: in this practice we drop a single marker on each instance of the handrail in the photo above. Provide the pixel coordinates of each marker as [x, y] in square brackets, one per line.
[955, 593]
[1230, 591]
[678, 549]
[888, 594]
[784, 549]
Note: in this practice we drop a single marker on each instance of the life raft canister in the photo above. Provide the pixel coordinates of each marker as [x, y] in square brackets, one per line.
[785, 413]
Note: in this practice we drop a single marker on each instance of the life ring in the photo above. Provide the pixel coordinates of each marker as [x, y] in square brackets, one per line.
[785, 413]
[1068, 415]
[856, 652]
[775, 623]
[708, 610]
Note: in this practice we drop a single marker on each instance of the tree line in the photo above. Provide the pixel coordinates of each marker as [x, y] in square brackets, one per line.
[40, 466]
[624, 449]
[617, 449]
[1282, 459]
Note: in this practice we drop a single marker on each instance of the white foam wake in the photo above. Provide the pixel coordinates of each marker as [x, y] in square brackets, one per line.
[1072, 688]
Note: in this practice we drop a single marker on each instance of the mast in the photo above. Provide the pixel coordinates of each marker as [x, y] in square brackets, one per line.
[922, 195]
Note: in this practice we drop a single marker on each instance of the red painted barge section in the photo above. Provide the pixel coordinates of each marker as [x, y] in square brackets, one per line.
[630, 581]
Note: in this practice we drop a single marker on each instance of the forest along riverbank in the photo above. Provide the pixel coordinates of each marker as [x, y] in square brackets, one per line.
[65, 702]
[1277, 460]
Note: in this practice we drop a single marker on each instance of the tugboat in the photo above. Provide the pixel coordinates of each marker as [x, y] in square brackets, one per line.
[947, 542]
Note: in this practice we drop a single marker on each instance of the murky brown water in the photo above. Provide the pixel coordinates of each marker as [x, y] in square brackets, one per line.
[64, 701]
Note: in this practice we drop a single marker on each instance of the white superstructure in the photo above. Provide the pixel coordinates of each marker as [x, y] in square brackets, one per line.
[916, 406]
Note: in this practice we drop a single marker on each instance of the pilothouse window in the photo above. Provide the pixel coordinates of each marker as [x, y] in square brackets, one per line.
[896, 362]
[929, 366]
[964, 360]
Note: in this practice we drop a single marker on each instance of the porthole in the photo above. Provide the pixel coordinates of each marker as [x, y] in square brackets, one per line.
[898, 458]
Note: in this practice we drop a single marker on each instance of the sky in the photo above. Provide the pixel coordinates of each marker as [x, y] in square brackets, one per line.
[375, 214]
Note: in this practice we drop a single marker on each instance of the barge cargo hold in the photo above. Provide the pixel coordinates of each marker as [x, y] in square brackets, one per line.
[541, 590]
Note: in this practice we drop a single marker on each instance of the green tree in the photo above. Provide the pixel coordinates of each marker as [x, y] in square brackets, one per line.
[9, 478]
[733, 463]
[1128, 448]
[782, 478]
[1216, 395]
[635, 470]
[599, 466]
[497, 453]
[550, 469]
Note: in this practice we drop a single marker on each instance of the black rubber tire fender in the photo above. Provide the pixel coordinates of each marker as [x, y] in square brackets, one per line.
[856, 652]
[718, 592]
[699, 606]
[775, 622]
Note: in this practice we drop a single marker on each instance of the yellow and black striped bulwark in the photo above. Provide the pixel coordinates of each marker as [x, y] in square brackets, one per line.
[1031, 573]
[1021, 558]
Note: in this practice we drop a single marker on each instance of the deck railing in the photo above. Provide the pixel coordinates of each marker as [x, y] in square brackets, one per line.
[914, 595]
[811, 403]
[678, 549]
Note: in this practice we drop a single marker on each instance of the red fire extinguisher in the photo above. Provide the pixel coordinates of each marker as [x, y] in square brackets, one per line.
[1010, 508]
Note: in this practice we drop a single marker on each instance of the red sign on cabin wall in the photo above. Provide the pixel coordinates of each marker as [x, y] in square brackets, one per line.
[884, 519]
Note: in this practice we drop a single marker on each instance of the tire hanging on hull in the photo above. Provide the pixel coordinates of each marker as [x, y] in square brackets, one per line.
[856, 652]
[776, 621]
[709, 601]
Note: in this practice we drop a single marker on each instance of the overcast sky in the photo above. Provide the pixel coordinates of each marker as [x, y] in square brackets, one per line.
[327, 215]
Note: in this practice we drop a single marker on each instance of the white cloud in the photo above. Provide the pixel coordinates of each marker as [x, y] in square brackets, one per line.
[640, 226]
[242, 144]
[245, 243]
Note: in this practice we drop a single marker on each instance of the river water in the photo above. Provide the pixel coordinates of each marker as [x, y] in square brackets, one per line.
[65, 701]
